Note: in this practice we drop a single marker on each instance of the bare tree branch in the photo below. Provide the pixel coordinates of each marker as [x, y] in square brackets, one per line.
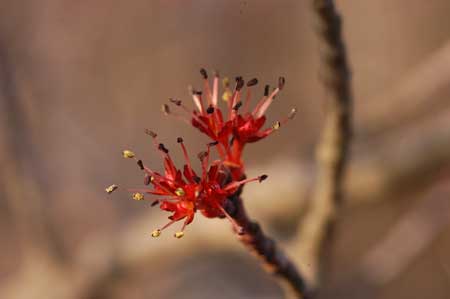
[333, 148]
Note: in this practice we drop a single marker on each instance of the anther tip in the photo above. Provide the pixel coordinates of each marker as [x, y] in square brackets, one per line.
[252, 82]
[111, 189]
[266, 90]
[276, 125]
[175, 101]
[162, 148]
[166, 109]
[155, 203]
[180, 192]
[128, 154]
[237, 106]
[179, 235]
[156, 233]
[262, 177]
[140, 164]
[281, 82]
[180, 140]
[138, 196]
[204, 73]
[292, 113]
[239, 83]
[151, 133]
[210, 110]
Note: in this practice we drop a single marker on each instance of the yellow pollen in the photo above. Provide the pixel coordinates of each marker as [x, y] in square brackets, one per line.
[179, 235]
[276, 125]
[128, 154]
[111, 188]
[180, 192]
[156, 233]
[138, 196]
[227, 96]
[226, 82]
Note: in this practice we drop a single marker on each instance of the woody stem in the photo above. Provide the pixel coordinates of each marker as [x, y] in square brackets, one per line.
[273, 259]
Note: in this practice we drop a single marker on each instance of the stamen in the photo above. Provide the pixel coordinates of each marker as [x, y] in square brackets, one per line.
[196, 97]
[266, 90]
[239, 83]
[265, 103]
[262, 177]
[111, 189]
[204, 73]
[151, 133]
[292, 113]
[179, 235]
[166, 109]
[210, 110]
[215, 92]
[162, 148]
[236, 226]
[252, 82]
[180, 192]
[138, 196]
[227, 93]
[281, 82]
[237, 106]
[155, 203]
[140, 164]
[236, 184]
[179, 140]
[156, 233]
[148, 179]
[175, 101]
[128, 154]
[276, 125]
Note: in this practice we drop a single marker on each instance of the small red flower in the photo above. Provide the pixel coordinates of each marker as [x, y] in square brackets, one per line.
[183, 193]
[235, 129]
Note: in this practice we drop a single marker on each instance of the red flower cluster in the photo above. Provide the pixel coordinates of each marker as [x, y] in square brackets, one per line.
[183, 192]
[239, 126]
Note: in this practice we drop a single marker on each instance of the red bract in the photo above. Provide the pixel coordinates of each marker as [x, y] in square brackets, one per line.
[239, 126]
[183, 193]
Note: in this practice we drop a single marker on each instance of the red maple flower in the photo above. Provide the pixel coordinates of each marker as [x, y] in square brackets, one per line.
[239, 126]
[183, 193]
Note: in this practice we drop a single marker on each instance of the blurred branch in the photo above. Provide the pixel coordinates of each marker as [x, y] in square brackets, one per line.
[414, 95]
[401, 246]
[332, 151]
[409, 237]
[24, 197]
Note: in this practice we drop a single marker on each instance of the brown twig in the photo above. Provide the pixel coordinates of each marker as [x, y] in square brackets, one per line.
[274, 260]
[332, 150]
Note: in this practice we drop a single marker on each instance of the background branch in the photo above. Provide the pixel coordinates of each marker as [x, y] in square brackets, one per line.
[333, 147]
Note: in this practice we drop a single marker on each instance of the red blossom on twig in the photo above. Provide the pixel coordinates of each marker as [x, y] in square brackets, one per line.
[183, 192]
[236, 126]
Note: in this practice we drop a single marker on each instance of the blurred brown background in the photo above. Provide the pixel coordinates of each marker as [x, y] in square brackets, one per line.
[80, 80]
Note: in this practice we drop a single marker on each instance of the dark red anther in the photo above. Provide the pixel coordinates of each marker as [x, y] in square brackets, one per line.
[252, 82]
[162, 148]
[262, 177]
[266, 90]
[151, 133]
[204, 73]
[281, 82]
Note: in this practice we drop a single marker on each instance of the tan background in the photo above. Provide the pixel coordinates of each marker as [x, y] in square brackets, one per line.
[79, 80]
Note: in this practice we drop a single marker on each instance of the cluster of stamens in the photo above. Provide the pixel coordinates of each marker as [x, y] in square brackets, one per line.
[181, 191]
